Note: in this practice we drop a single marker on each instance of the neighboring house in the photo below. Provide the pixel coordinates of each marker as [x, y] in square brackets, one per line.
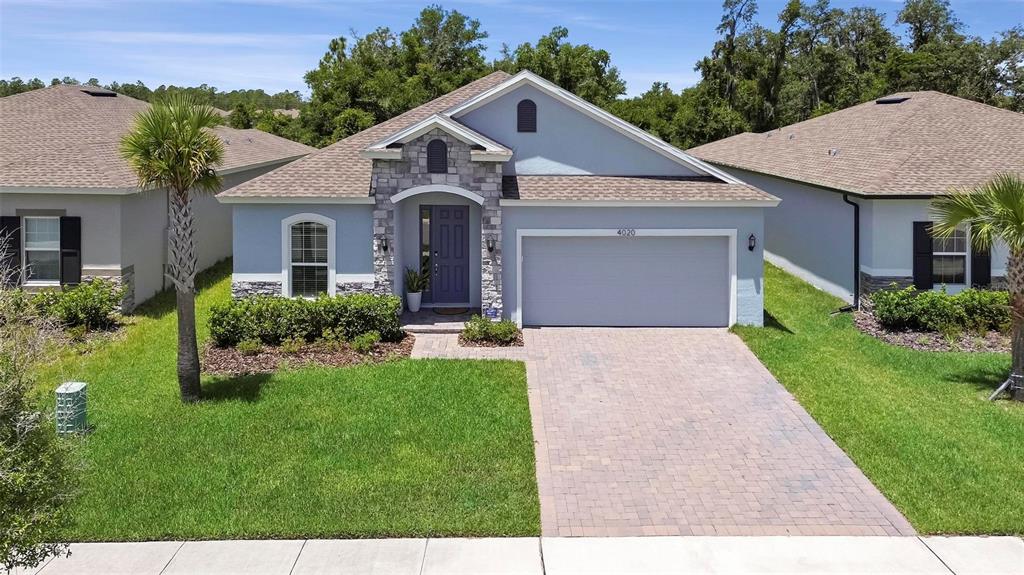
[864, 177]
[517, 198]
[72, 207]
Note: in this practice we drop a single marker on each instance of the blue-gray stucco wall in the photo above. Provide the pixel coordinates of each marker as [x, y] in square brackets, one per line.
[257, 236]
[566, 141]
[746, 221]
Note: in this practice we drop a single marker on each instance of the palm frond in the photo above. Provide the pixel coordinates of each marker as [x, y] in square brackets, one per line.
[994, 210]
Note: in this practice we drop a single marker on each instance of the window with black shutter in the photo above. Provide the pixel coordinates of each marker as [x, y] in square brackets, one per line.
[437, 157]
[923, 255]
[70, 250]
[981, 267]
[526, 116]
[10, 241]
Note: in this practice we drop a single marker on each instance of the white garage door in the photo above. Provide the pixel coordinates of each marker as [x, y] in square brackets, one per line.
[615, 281]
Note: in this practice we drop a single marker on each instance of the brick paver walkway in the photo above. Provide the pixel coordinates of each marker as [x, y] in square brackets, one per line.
[677, 432]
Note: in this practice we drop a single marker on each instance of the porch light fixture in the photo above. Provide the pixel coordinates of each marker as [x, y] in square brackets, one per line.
[384, 244]
[490, 244]
[751, 242]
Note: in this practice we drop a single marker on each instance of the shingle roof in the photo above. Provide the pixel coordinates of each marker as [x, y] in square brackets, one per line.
[338, 171]
[629, 188]
[923, 145]
[62, 137]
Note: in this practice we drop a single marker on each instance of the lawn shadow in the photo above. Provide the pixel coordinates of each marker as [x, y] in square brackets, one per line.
[771, 322]
[246, 388]
[982, 378]
[163, 303]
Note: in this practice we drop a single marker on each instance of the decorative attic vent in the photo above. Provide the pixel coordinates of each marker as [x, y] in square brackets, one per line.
[99, 92]
[892, 100]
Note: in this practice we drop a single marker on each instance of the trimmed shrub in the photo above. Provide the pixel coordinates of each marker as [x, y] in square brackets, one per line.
[92, 305]
[249, 347]
[272, 320]
[971, 309]
[366, 342]
[479, 329]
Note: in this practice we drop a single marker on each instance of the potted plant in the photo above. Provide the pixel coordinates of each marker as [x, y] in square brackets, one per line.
[415, 283]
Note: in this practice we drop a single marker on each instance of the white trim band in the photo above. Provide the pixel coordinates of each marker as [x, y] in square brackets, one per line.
[368, 200]
[640, 203]
[428, 188]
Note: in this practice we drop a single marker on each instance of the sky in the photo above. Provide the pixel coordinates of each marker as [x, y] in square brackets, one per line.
[270, 44]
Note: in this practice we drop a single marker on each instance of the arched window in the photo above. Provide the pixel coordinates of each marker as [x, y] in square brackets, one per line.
[526, 116]
[437, 157]
[309, 259]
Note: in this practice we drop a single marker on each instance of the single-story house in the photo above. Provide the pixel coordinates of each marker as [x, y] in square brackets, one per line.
[519, 199]
[856, 186]
[71, 205]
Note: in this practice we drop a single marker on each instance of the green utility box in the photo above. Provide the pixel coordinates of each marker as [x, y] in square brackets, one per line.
[71, 408]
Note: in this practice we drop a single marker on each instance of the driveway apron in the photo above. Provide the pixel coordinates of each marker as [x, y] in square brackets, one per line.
[678, 432]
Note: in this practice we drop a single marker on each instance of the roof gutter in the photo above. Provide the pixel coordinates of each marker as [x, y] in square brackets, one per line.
[856, 251]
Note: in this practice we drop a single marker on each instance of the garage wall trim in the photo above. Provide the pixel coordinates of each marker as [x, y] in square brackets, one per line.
[626, 234]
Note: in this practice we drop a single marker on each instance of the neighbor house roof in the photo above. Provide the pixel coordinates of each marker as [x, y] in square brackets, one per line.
[69, 136]
[339, 170]
[630, 188]
[906, 144]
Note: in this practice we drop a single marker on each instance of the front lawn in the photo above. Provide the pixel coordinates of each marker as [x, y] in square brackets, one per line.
[405, 448]
[916, 422]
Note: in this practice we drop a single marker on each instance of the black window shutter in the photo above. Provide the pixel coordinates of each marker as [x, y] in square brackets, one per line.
[437, 157]
[70, 250]
[526, 116]
[10, 232]
[981, 268]
[923, 255]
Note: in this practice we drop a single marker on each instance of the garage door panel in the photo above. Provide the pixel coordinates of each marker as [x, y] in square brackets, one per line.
[614, 281]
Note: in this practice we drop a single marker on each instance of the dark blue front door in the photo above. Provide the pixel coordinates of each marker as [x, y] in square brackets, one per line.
[449, 246]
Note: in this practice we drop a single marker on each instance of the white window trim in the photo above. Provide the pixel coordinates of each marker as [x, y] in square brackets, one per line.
[938, 286]
[25, 250]
[286, 250]
[730, 233]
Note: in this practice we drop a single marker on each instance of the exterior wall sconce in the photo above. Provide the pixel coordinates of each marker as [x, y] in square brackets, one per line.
[384, 244]
[490, 244]
[751, 242]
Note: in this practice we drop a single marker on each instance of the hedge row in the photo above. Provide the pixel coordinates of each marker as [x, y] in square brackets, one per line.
[972, 309]
[271, 319]
[90, 305]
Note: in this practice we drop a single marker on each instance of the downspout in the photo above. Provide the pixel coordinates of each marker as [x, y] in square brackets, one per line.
[856, 253]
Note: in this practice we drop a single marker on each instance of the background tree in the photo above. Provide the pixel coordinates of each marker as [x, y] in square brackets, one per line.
[172, 146]
[242, 117]
[581, 69]
[994, 211]
[37, 469]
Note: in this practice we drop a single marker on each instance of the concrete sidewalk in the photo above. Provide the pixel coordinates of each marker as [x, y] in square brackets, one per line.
[552, 556]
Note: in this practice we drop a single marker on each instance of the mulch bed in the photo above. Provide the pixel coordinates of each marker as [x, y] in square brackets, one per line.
[229, 361]
[467, 343]
[992, 341]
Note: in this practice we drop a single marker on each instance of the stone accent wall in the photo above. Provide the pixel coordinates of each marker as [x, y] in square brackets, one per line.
[246, 289]
[125, 281]
[356, 287]
[870, 283]
[393, 176]
[999, 283]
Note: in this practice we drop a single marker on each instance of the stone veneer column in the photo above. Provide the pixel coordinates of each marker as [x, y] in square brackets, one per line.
[393, 176]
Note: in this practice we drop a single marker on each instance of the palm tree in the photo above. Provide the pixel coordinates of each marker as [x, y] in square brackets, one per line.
[994, 211]
[172, 146]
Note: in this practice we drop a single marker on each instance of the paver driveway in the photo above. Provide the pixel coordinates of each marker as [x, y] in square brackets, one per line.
[678, 432]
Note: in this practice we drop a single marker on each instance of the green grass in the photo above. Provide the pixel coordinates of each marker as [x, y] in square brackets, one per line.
[406, 448]
[917, 423]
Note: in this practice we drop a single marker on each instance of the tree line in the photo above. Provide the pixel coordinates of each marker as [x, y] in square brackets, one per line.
[815, 60]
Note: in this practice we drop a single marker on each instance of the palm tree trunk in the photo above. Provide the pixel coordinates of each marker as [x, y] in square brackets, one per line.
[1015, 281]
[181, 269]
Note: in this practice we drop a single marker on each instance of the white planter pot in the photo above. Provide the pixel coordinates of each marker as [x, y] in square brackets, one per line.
[413, 301]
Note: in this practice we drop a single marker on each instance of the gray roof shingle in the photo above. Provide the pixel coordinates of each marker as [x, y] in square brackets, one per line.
[923, 145]
[629, 188]
[61, 137]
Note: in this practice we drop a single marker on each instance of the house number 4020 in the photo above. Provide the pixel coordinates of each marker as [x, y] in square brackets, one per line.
[627, 232]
